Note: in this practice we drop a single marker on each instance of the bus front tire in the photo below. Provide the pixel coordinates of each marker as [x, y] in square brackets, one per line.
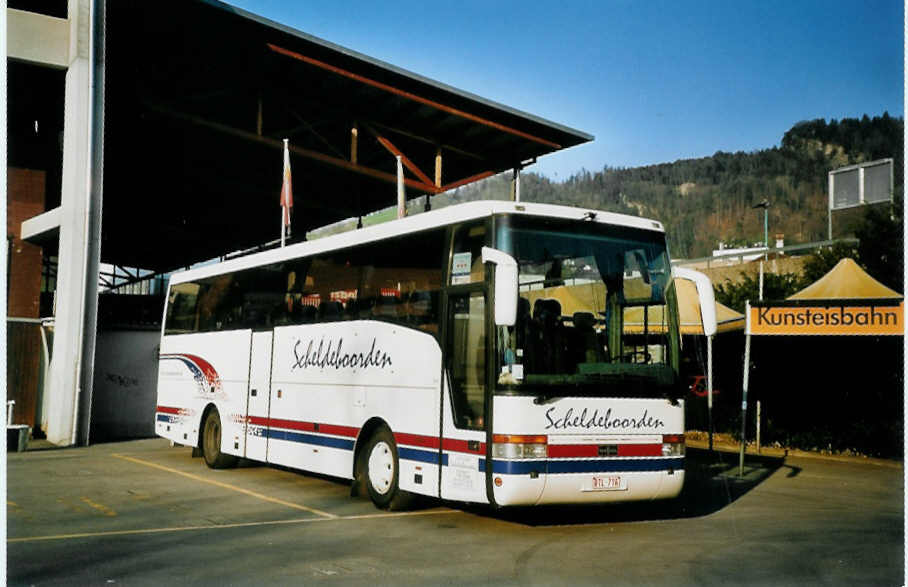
[381, 468]
[211, 443]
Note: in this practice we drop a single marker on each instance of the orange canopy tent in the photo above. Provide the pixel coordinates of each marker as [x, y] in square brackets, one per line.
[845, 281]
[727, 320]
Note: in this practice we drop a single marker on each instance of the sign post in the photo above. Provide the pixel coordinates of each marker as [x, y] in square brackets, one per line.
[744, 391]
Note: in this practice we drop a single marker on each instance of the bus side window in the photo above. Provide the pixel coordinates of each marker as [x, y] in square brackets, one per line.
[466, 261]
[401, 279]
[182, 309]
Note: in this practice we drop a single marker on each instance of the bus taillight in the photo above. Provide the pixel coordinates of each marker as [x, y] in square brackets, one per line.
[673, 445]
[510, 446]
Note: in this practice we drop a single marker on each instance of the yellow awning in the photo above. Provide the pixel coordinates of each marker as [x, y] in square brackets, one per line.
[845, 281]
[591, 298]
[689, 310]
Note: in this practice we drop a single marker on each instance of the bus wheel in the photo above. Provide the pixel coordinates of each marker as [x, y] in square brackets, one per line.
[382, 472]
[211, 443]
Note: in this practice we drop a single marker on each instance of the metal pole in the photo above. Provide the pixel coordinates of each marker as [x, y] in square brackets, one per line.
[401, 194]
[758, 401]
[709, 386]
[284, 202]
[758, 427]
[761, 281]
[744, 396]
[829, 184]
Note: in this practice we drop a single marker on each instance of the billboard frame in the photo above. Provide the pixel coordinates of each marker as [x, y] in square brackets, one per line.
[860, 167]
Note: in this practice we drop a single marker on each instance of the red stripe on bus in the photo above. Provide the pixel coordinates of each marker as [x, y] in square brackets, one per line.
[457, 445]
[639, 450]
[168, 410]
[416, 440]
[290, 424]
[573, 450]
[338, 430]
[332, 429]
[592, 450]
[403, 438]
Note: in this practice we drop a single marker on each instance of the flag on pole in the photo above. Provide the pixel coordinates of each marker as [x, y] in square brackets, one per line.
[286, 194]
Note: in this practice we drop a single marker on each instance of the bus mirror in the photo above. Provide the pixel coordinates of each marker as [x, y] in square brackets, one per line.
[505, 285]
[705, 294]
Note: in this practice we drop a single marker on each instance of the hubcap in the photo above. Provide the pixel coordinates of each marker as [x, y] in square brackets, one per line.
[381, 467]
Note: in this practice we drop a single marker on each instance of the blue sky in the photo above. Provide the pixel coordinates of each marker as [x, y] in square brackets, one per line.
[653, 81]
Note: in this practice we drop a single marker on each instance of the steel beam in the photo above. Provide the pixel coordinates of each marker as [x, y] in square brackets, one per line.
[307, 153]
[411, 96]
[391, 148]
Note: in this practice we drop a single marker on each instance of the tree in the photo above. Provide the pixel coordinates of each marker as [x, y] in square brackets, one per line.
[822, 261]
[776, 286]
[881, 249]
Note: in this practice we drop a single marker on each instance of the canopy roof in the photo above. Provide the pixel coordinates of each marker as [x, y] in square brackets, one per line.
[199, 96]
[689, 309]
[845, 281]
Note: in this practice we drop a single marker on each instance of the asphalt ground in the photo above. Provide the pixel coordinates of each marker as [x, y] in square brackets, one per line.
[146, 513]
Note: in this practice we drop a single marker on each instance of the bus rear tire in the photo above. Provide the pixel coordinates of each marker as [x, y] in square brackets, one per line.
[211, 443]
[381, 468]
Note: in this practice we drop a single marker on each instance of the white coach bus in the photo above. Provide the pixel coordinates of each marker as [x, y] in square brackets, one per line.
[475, 353]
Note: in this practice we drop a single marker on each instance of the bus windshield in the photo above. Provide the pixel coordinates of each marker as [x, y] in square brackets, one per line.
[596, 314]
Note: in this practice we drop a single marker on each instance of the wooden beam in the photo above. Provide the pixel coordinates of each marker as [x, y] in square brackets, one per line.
[258, 118]
[307, 153]
[411, 96]
[403, 158]
[445, 146]
[354, 137]
[465, 181]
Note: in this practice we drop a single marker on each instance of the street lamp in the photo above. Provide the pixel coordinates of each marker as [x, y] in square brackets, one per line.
[765, 205]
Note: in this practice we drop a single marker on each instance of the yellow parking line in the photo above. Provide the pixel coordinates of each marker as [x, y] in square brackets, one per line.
[100, 507]
[226, 526]
[226, 486]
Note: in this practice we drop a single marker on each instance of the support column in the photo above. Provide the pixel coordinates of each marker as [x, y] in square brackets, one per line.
[515, 185]
[438, 168]
[71, 368]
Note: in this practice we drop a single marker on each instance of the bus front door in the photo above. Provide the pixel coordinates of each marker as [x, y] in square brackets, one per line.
[258, 401]
[463, 407]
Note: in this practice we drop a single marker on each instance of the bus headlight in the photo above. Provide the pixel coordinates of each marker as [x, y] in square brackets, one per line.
[672, 445]
[509, 446]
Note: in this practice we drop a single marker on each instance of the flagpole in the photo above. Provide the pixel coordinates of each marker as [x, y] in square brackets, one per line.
[286, 196]
[401, 194]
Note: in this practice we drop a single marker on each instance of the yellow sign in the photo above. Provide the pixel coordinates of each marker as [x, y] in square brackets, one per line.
[845, 319]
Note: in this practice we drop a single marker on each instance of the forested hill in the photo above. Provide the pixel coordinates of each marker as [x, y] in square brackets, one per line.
[703, 201]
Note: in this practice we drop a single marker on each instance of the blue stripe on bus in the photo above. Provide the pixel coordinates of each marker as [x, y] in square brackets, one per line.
[423, 456]
[586, 466]
[329, 441]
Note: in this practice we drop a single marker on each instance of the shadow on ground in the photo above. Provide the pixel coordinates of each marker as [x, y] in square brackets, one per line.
[711, 483]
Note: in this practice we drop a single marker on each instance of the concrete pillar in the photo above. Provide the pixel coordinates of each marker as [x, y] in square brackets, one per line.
[78, 257]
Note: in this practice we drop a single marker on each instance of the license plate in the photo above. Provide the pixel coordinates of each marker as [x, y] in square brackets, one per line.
[605, 483]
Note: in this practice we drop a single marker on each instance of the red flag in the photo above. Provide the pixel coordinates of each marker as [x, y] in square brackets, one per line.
[286, 190]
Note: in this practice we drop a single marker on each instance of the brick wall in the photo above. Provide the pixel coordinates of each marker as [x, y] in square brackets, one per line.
[25, 199]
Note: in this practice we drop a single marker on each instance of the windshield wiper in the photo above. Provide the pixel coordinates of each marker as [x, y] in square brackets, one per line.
[545, 398]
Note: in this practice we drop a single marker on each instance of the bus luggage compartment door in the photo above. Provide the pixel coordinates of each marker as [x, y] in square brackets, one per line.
[259, 397]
